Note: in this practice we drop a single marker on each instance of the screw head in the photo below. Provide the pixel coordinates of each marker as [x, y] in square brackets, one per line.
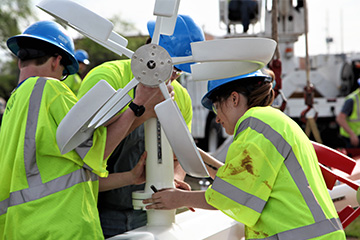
[151, 64]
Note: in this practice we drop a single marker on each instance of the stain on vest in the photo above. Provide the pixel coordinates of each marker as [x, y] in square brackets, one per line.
[246, 163]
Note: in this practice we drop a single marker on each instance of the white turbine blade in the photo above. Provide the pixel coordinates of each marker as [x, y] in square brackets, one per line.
[73, 130]
[118, 39]
[79, 17]
[113, 105]
[166, 8]
[156, 35]
[164, 90]
[218, 70]
[180, 138]
[88, 23]
[166, 12]
[235, 49]
[180, 60]
[117, 48]
[118, 42]
[117, 108]
[112, 46]
[168, 25]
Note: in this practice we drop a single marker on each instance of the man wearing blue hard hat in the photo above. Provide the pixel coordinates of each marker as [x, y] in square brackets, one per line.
[44, 194]
[349, 119]
[115, 202]
[73, 81]
[271, 166]
[178, 45]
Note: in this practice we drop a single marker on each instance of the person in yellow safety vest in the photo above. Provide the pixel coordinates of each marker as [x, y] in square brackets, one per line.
[73, 81]
[115, 201]
[349, 119]
[271, 180]
[117, 214]
[44, 194]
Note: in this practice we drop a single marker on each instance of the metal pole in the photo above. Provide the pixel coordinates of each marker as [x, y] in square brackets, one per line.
[274, 27]
[307, 60]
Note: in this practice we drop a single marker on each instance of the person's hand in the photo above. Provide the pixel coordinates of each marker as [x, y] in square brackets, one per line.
[182, 185]
[354, 140]
[170, 89]
[165, 199]
[138, 172]
[153, 100]
[144, 93]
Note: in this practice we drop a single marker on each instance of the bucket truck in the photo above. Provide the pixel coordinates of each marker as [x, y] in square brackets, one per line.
[332, 75]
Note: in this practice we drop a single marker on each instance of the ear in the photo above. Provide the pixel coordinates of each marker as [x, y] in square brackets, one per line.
[235, 98]
[56, 62]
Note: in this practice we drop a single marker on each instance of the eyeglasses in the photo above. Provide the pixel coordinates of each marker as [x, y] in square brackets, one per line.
[214, 107]
[177, 71]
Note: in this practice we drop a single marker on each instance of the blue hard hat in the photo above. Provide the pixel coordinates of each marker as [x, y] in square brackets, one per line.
[178, 45]
[215, 84]
[51, 33]
[82, 56]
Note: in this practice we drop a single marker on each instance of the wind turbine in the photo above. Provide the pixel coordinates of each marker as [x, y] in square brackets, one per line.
[152, 66]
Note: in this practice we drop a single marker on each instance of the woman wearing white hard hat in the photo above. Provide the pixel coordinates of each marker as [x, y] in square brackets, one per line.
[271, 180]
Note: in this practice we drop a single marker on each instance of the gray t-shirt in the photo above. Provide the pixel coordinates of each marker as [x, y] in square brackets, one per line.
[348, 107]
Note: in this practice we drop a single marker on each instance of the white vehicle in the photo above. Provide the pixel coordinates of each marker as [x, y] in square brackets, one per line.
[333, 76]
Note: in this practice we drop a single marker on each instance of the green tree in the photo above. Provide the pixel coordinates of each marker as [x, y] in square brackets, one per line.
[13, 15]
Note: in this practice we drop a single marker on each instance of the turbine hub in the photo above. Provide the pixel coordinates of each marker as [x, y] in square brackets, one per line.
[151, 65]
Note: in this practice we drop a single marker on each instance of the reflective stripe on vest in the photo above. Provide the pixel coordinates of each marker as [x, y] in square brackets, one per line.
[307, 232]
[238, 195]
[37, 189]
[322, 224]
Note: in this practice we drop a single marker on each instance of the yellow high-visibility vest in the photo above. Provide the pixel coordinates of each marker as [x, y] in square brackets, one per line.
[73, 82]
[354, 119]
[44, 194]
[271, 181]
[118, 73]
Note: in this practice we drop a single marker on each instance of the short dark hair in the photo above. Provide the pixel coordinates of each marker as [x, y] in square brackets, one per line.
[30, 48]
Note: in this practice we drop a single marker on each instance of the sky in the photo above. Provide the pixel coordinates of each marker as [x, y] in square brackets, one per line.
[333, 18]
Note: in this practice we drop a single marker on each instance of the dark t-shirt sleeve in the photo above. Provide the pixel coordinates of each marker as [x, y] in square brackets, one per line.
[347, 107]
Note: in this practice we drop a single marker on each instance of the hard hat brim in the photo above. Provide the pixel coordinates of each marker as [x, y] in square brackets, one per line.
[12, 44]
[214, 85]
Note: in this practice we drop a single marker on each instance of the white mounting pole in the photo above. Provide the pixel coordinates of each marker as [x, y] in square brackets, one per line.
[159, 169]
[159, 172]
